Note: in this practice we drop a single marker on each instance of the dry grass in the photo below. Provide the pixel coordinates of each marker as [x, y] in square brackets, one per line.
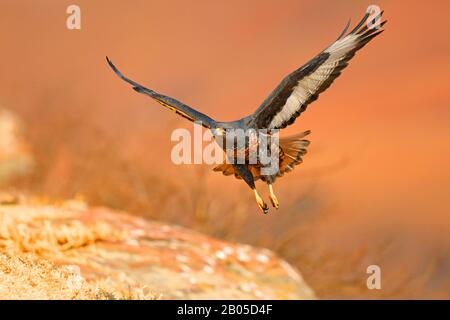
[27, 276]
[29, 237]
[46, 230]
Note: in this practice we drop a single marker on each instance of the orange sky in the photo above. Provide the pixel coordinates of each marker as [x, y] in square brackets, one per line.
[380, 135]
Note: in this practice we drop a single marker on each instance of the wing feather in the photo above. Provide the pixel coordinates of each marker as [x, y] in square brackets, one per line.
[173, 104]
[304, 85]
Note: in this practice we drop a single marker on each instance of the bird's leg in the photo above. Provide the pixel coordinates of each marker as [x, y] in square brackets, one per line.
[261, 204]
[273, 197]
[248, 178]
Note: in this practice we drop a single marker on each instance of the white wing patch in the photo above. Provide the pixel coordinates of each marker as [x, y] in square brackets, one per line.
[305, 88]
[309, 85]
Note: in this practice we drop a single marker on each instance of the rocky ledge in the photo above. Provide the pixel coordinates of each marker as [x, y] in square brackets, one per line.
[71, 251]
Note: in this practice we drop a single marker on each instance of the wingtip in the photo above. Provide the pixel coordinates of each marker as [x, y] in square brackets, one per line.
[109, 62]
[114, 68]
[345, 29]
[349, 21]
[381, 31]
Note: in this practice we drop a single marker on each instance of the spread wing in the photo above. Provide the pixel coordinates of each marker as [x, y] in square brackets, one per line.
[174, 105]
[304, 85]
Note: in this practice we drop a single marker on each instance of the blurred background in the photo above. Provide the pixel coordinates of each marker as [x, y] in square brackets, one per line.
[373, 189]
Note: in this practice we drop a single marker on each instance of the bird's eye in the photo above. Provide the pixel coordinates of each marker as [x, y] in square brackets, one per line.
[219, 131]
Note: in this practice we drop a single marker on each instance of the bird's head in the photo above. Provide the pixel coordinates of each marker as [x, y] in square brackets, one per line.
[218, 132]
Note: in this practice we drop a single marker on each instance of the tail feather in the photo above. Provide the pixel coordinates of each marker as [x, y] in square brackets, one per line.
[293, 148]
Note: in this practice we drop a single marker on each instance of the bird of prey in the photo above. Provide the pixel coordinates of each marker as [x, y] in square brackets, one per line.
[280, 109]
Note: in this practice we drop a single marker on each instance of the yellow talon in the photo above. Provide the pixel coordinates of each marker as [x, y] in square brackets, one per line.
[273, 197]
[261, 204]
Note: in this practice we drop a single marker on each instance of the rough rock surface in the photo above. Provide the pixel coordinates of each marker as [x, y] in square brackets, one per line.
[116, 255]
